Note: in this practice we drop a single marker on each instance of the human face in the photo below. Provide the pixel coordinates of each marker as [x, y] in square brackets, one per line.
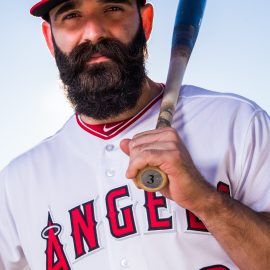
[81, 24]
[105, 89]
[77, 21]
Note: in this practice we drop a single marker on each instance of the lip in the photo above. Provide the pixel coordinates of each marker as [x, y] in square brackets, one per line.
[98, 58]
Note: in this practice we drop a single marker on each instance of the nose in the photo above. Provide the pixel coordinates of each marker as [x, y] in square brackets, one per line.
[94, 30]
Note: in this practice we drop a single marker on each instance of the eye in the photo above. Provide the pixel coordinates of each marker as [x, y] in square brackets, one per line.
[113, 9]
[71, 16]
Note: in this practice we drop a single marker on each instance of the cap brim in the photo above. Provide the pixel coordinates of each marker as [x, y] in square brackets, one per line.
[43, 7]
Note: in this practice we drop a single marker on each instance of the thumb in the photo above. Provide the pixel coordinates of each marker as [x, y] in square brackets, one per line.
[124, 145]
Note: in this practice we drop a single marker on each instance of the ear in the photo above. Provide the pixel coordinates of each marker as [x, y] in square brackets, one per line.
[47, 32]
[147, 14]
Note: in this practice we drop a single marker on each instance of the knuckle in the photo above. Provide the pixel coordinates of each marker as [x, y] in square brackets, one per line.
[139, 148]
[175, 145]
[171, 133]
[174, 135]
[132, 144]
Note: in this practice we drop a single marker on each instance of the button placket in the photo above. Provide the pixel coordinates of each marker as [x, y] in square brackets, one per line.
[124, 263]
[110, 171]
[109, 147]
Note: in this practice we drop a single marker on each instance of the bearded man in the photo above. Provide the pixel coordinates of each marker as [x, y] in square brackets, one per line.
[68, 204]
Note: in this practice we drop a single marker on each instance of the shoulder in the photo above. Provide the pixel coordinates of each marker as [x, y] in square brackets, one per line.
[217, 112]
[194, 92]
[37, 156]
[218, 102]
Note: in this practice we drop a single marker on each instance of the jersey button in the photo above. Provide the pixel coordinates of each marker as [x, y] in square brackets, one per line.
[109, 147]
[110, 172]
[124, 263]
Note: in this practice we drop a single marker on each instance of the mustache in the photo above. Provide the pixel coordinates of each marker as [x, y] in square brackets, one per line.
[110, 48]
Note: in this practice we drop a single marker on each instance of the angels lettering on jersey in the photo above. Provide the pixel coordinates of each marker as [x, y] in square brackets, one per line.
[84, 226]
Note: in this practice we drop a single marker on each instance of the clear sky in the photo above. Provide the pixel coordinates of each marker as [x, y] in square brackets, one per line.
[231, 55]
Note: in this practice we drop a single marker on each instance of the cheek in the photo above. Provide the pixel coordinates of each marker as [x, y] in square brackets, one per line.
[66, 42]
[126, 31]
[129, 34]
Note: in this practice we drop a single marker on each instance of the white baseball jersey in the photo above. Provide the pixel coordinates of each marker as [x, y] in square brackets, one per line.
[66, 203]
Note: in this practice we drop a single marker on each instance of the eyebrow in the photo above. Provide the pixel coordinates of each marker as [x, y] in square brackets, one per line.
[116, 1]
[64, 8]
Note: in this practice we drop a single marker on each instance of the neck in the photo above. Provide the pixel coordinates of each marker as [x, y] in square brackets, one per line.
[150, 91]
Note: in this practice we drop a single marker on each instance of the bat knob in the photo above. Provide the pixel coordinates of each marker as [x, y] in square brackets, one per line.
[151, 179]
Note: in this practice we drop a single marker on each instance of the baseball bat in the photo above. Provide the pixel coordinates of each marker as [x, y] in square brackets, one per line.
[186, 28]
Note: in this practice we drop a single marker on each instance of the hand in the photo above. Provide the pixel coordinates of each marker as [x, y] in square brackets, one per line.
[233, 224]
[164, 149]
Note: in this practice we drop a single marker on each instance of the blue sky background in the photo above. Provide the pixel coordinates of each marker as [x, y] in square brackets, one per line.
[231, 55]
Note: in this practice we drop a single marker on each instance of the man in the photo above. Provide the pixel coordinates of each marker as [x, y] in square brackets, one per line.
[67, 203]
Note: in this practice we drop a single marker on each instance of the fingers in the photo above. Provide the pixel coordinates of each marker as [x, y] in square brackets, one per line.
[158, 148]
[161, 134]
[148, 139]
[124, 145]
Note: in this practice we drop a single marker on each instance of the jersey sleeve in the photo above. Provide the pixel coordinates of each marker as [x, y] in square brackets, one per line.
[254, 187]
[11, 253]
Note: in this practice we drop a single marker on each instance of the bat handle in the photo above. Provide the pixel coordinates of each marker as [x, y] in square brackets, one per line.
[151, 178]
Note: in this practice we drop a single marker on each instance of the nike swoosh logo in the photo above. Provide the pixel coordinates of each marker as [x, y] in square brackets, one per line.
[106, 130]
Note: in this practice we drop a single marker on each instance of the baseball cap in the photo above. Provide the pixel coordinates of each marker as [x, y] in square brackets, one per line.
[42, 8]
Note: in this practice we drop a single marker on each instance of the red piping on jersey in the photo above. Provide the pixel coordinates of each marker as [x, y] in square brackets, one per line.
[114, 128]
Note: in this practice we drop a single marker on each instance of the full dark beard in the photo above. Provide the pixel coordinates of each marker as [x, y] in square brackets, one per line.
[104, 90]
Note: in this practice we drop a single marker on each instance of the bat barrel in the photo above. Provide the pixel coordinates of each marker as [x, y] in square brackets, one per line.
[187, 23]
